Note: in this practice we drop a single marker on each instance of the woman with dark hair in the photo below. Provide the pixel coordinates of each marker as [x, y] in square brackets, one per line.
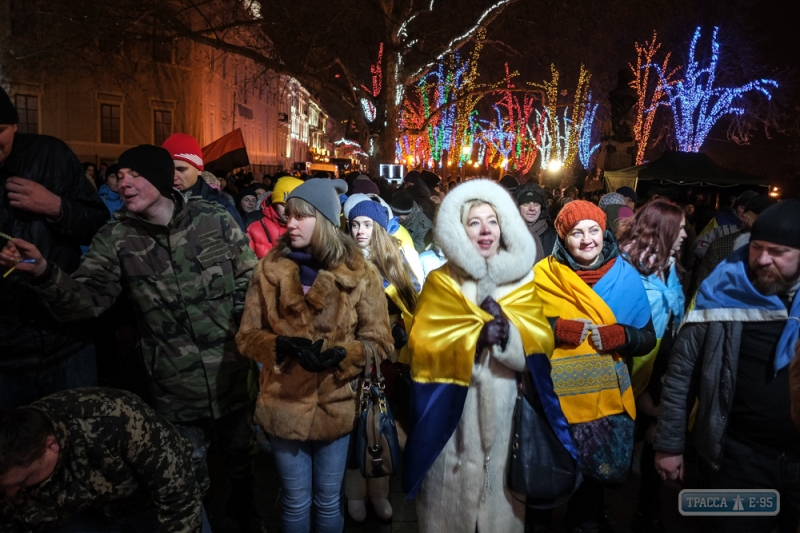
[651, 242]
[600, 316]
[313, 305]
[369, 220]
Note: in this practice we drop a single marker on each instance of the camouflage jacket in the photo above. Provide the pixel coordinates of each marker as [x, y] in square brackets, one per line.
[117, 455]
[187, 282]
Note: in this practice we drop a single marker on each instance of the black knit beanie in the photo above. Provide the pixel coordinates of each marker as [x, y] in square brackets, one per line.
[8, 112]
[152, 163]
[779, 224]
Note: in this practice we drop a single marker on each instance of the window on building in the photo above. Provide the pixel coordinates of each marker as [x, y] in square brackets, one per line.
[28, 109]
[162, 121]
[110, 123]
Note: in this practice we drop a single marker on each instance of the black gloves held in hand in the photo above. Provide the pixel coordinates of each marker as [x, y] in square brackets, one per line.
[495, 331]
[307, 354]
[399, 335]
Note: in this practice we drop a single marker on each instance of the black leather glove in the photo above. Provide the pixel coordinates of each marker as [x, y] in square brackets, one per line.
[288, 347]
[492, 307]
[399, 335]
[308, 357]
[332, 357]
[493, 332]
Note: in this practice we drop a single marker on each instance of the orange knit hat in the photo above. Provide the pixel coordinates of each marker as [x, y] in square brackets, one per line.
[574, 212]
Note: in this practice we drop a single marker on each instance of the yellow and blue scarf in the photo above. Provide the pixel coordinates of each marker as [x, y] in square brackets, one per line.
[590, 385]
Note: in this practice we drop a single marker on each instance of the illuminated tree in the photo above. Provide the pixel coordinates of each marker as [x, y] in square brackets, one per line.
[695, 101]
[650, 94]
[564, 132]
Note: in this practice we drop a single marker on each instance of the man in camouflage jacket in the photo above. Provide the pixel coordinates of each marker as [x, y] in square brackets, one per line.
[186, 266]
[106, 455]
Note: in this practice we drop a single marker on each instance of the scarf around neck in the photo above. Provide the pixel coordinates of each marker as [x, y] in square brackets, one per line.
[309, 268]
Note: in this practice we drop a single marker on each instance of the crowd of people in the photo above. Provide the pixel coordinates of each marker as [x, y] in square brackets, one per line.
[261, 303]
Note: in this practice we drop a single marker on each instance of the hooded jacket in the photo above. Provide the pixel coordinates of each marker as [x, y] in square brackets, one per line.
[465, 488]
[265, 232]
[344, 306]
[112, 199]
[28, 336]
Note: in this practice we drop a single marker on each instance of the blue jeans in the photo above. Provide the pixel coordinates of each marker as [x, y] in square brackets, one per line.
[311, 469]
[145, 521]
[23, 387]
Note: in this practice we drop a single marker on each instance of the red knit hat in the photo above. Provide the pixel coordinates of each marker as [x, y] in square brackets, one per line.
[184, 147]
[574, 212]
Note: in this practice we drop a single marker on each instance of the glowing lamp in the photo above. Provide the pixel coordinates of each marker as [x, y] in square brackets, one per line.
[554, 165]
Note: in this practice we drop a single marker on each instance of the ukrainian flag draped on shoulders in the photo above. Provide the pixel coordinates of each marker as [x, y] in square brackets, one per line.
[727, 295]
[589, 385]
[442, 347]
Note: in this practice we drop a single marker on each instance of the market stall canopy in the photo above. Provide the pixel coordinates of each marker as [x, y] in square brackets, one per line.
[682, 168]
[226, 153]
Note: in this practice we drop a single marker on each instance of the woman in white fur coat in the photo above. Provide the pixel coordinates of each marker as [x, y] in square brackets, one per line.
[466, 347]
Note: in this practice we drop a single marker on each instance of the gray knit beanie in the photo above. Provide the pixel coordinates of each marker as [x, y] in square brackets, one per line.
[323, 194]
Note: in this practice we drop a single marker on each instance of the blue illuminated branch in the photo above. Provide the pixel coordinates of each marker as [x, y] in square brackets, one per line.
[696, 104]
[586, 149]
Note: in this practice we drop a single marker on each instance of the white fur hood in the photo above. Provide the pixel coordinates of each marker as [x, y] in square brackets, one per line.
[517, 251]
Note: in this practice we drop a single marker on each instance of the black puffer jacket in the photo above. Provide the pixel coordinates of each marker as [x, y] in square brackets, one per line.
[28, 336]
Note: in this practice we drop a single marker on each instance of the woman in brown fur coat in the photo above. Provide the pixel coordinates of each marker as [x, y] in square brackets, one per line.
[313, 302]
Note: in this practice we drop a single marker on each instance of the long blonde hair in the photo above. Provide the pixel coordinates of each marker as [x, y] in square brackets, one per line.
[384, 252]
[329, 246]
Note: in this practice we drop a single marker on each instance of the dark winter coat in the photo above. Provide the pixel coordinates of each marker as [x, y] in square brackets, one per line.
[28, 336]
[205, 191]
[702, 366]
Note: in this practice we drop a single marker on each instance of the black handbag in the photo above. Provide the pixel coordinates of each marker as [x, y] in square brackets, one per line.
[377, 447]
[539, 466]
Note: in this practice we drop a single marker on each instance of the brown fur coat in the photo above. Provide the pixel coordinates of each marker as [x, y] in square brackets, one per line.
[343, 306]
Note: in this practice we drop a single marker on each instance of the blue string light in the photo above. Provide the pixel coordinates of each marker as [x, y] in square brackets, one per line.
[696, 104]
[586, 149]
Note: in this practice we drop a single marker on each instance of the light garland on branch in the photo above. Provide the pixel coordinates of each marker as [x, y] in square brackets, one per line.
[696, 103]
[646, 106]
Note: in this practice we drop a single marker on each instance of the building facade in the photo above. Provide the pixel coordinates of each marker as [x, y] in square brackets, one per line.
[142, 92]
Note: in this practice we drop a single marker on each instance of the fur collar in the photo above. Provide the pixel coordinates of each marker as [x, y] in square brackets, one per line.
[517, 253]
[284, 274]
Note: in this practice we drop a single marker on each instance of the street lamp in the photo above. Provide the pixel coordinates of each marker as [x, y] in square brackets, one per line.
[554, 165]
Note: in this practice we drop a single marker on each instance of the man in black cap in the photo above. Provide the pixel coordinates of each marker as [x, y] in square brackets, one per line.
[185, 265]
[44, 199]
[411, 216]
[732, 354]
[532, 202]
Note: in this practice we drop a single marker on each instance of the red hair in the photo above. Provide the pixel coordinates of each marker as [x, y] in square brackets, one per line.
[647, 238]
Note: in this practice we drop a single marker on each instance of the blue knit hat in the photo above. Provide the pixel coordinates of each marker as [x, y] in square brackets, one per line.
[371, 209]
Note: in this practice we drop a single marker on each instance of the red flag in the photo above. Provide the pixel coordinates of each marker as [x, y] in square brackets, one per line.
[226, 153]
